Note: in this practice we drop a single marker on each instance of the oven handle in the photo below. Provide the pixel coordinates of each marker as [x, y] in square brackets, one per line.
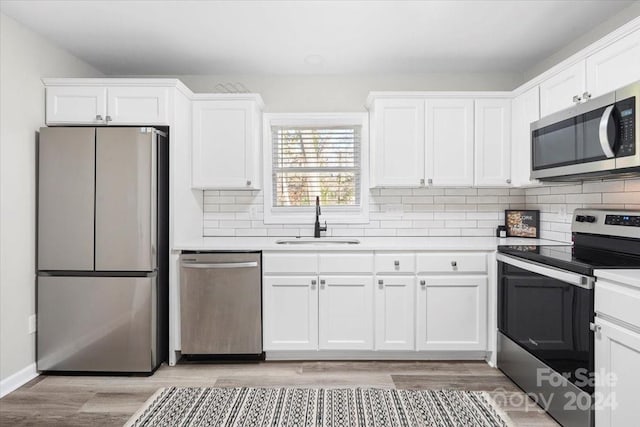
[575, 279]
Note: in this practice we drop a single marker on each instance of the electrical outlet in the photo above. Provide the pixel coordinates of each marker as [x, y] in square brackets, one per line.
[32, 324]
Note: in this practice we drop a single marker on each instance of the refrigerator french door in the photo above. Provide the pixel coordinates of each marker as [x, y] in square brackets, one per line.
[99, 297]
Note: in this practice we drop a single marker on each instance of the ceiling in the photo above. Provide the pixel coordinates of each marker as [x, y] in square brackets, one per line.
[311, 37]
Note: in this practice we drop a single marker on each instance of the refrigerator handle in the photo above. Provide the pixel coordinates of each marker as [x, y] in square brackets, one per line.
[154, 199]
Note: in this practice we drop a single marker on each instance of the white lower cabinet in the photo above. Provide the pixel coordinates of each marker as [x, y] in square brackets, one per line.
[346, 313]
[617, 362]
[395, 298]
[451, 313]
[290, 306]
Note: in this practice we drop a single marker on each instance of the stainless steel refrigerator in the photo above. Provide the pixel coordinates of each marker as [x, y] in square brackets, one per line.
[102, 254]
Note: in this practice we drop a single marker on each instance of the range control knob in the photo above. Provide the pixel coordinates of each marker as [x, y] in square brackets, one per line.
[580, 218]
[590, 218]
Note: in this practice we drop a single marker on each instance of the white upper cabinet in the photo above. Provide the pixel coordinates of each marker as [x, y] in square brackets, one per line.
[615, 65]
[525, 109]
[102, 105]
[137, 105]
[449, 142]
[563, 90]
[493, 142]
[397, 143]
[226, 144]
[76, 105]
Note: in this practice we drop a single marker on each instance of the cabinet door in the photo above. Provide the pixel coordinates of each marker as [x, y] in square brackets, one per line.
[290, 307]
[525, 109]
[395, 306]
[76, 105]
[223, 147]
[614, 66]
[452, 313]
[398, 143]
[346, 313]
[493, 142]
[449, 142]
[617, 358]
[557, 92]
[137, 106]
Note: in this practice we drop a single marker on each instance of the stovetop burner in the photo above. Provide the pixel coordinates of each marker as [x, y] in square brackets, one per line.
[608, 240]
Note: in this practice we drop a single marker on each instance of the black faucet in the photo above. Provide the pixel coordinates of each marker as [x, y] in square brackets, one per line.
[317, 229]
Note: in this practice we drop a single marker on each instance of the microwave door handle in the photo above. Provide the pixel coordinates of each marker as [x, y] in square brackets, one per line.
[605, 144]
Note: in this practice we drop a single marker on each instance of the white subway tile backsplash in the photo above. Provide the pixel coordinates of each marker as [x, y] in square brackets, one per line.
[429, 211]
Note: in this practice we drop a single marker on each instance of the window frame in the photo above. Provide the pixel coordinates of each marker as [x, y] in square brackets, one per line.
[306, 214]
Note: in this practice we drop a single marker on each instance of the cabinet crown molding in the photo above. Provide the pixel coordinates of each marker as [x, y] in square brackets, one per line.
[107, 82]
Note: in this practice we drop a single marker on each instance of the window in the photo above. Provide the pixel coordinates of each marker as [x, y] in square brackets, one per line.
[313, 155]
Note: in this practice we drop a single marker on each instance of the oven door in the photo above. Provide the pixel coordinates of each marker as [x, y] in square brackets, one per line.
[548, 312]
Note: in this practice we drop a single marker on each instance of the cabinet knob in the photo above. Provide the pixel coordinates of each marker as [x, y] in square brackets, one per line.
[509, 181]
[576, 98]
[313, 282]
[98, 117]
[396, 263]
[586, 96]
[454, 264]
[322, 282]
[248, 183]
[380, 282]
[108, 119]
[594, 327]
[423, 283]
[430, 181]
[422, 181]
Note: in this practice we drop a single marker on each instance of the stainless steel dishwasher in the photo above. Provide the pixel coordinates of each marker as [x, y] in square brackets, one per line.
[221, 303]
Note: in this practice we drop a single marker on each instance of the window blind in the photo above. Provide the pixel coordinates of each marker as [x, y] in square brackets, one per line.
[316, 161]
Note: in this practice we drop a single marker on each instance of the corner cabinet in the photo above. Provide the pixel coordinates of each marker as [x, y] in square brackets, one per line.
[226, 142]
[79, 104]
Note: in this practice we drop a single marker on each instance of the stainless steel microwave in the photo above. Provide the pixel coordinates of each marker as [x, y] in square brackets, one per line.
[590, 140]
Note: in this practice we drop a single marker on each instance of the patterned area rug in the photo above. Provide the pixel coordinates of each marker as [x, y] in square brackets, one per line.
[175, 406]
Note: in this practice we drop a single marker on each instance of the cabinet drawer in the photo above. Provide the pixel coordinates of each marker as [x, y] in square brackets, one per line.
[345, 263]
[289, 263]
[452, 262]
[395, 263]
[618, 301]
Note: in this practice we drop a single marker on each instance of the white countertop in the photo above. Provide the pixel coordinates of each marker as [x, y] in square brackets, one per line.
[627, 276]
[366, 244]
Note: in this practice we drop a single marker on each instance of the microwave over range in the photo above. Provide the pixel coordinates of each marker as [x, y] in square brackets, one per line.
[590, 140]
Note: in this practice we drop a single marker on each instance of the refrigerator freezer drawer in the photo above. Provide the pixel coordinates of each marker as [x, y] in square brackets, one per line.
[220, 303]
[103, 324]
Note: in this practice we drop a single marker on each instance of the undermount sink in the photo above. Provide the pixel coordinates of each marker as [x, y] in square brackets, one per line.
[318, 241]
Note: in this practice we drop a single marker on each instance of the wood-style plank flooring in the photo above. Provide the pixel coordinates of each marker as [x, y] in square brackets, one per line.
[109, 401]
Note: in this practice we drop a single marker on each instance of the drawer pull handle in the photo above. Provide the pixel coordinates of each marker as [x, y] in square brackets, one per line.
[423, 283]
[322, 282]
[313, 283]
[454, 264]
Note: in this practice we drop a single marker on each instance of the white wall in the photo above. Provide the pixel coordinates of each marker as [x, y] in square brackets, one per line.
[24, 58]
[331, 93]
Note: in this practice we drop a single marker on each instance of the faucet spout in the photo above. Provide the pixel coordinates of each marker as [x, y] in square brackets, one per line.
[317, 227]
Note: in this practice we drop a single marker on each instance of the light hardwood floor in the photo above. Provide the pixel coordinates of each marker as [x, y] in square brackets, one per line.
[109, 401]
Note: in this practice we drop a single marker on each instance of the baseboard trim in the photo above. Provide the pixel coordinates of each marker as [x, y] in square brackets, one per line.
[17, 380]
[373, 355]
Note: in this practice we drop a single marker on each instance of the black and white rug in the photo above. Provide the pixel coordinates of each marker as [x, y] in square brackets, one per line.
[175, 406]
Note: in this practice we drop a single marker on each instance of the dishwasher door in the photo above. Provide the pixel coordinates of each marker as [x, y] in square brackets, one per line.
[221, 303]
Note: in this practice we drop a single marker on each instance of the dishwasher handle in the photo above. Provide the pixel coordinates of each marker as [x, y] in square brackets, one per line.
[211, 265]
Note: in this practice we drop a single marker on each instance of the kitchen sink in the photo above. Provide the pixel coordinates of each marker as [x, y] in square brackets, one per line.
[318, 241]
